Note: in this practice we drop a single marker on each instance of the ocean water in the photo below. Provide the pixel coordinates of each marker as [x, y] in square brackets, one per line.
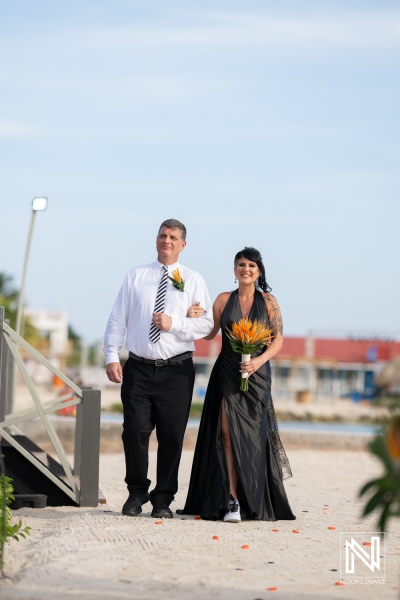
[306, 426]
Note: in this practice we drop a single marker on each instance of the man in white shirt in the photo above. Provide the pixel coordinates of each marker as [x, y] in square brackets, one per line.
[157, 380]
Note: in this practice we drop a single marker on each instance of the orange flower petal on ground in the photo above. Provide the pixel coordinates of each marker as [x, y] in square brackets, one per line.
[215, 537]
[197, 517]
[366, 543]
[331, 527]
[296, 531]
[245, 547]
[272, 589]
[274, 529]
[158, 522]
[339, 583]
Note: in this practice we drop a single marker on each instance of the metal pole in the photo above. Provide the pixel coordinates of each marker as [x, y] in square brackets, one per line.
[20, 307]
[22, 288]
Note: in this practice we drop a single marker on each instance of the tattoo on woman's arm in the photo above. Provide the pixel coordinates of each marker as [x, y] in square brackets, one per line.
[275, 316]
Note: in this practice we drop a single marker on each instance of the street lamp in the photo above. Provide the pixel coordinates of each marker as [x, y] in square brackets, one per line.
[38, 204]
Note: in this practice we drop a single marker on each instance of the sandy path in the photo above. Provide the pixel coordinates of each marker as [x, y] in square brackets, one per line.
[90, 553]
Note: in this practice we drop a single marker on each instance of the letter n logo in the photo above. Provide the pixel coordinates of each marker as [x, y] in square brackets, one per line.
[370, 559]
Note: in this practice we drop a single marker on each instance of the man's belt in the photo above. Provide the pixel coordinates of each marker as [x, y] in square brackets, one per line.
[176, 361]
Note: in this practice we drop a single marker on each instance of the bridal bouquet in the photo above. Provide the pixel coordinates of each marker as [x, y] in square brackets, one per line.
[246, 337]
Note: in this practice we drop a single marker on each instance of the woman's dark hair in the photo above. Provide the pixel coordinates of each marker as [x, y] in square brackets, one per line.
[254, 255]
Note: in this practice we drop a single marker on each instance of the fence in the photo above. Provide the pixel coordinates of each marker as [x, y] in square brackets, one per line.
[80, 482]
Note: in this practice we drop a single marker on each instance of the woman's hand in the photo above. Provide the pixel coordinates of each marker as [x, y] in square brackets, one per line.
[195, 311]
[252, 366]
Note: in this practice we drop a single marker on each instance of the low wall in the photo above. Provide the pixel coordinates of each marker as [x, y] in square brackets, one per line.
[110, 437]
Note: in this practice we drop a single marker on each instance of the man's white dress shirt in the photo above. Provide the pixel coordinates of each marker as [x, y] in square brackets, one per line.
[132, 314]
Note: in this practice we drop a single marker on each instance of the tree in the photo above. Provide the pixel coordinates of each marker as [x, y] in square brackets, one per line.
[75, 357]
[9, 299]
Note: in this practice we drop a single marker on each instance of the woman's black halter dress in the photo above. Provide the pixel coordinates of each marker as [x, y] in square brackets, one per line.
[260, 459]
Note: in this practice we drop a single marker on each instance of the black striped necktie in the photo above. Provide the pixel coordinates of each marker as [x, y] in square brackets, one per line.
[159, 304]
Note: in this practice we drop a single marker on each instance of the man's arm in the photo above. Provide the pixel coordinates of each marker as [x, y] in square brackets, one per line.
[115, 333]
[189, 330]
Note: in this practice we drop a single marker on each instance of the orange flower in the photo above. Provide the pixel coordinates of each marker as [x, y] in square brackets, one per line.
[245, 547]
[177, 280]
[215, 537]
[393, 440]
[176, 275]
[250, 332]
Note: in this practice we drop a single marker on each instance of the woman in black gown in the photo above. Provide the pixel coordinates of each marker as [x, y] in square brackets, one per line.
[239, 461]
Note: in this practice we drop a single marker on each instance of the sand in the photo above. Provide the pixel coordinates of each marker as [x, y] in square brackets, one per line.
[98, 553]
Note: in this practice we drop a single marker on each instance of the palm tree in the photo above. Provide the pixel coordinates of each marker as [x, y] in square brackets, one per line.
[8, 298]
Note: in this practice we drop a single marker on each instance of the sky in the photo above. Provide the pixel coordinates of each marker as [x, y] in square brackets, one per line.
[255, 123]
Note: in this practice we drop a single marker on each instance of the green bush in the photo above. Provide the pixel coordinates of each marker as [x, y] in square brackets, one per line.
[384, 491]
[7, 531]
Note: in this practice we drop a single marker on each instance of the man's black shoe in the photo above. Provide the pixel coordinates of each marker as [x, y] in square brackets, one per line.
[162, 511]
[133, 506]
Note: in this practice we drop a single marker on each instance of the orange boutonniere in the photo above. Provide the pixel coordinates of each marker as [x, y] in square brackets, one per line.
[177, 280]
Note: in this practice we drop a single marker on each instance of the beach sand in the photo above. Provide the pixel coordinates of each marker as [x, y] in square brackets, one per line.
[91, 553]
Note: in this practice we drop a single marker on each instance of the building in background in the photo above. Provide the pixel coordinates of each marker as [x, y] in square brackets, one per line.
[314, 368]
[309, 368]
[54, 344]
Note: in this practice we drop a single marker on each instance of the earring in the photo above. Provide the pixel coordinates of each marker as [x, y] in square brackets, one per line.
[235, 280]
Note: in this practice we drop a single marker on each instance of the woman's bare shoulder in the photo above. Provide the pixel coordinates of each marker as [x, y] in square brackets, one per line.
[224, 295]
[221, 300]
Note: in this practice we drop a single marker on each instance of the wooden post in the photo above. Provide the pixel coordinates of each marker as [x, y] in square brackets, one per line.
[87, 446]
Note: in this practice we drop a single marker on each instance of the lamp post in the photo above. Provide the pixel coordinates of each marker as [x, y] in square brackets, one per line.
[38, 204]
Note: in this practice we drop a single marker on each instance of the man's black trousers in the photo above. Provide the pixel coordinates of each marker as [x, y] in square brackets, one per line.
[155, 397]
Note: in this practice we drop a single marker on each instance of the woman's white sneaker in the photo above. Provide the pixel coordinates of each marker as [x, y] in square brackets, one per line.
[233, 514]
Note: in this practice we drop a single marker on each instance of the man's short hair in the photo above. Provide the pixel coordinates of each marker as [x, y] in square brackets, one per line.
[174, 224]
